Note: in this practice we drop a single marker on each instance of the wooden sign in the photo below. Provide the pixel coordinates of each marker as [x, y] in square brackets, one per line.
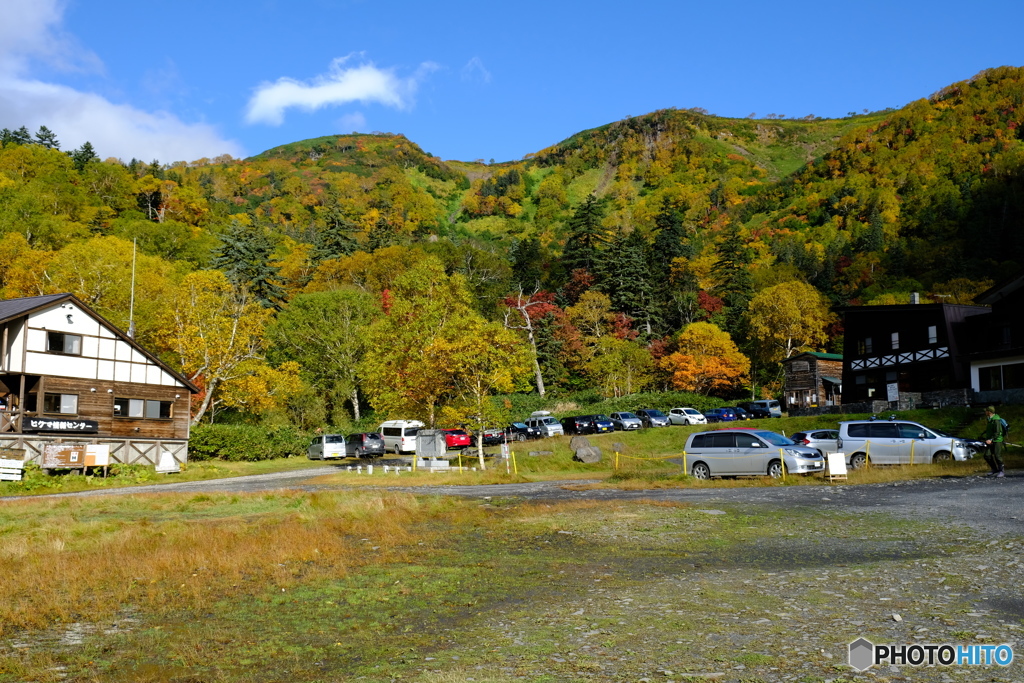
[63, 455]
[97, 455]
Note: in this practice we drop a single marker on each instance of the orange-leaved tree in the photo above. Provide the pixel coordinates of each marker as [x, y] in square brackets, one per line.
[707, 361]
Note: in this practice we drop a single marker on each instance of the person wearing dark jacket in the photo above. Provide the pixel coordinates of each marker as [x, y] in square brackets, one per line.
[993, 439]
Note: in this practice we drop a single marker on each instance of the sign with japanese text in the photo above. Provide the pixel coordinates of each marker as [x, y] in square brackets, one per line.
[47, 424]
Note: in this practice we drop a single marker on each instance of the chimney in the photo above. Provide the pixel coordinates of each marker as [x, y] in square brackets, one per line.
[915, 298]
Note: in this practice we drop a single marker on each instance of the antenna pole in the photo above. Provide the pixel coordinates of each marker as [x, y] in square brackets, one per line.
[131, 305]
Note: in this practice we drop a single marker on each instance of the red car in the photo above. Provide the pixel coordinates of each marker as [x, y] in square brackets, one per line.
[456, 438]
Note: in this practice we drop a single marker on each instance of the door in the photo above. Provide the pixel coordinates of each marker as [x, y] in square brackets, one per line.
[887, 446]
[723, 455]
[752, 455]
[918, 443]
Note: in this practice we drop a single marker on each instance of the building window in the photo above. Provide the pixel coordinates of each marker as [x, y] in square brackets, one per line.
[62, 404]
[1013, 376]
[141, 408]
[895, 341]
[933, 334]
[61, 342]
[865, 346]
[990, 378]
[860, 379]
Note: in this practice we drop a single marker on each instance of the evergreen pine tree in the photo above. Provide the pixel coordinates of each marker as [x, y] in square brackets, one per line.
[527, 263]
[245, 257]
[83, 155]
[22, 137]
[586, 235]
[381, 235]
[155, 169]
[335, 240]
[47, 138]
[625, 277]
[735, 284]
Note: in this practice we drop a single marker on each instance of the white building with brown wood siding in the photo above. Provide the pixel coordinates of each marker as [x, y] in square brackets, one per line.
[67, 375]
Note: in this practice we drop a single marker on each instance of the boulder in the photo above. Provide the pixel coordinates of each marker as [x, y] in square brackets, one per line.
[588, 454]
[578, 442]
[619, 447]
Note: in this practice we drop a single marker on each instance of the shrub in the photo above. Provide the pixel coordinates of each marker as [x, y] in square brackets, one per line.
[245, 442]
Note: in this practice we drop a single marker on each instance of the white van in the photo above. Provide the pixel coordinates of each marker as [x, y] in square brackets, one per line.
[546, 425]
[326, 447]
[400, 435]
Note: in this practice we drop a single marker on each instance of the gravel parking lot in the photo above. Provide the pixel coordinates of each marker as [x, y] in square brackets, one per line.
[923, 561]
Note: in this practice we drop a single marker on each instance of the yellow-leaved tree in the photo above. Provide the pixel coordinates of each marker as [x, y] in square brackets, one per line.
[215, 333]
[787, 318]
[707, 361]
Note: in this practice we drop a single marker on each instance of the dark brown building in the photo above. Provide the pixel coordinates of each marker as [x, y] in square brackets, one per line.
[997, 344]
[813, 380]
[911, 348]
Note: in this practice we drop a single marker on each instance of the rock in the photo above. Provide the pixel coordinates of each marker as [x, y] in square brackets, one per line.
[578, 442]
[542, 452]
[589, 455]
[619, 447]
[896, 617]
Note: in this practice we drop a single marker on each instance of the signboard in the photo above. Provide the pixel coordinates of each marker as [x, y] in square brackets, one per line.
[167, 463]
[60, 455]
[47, 424]
[892, 392]
[97, 455]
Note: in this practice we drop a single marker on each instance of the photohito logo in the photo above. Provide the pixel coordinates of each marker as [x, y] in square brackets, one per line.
[864, 654]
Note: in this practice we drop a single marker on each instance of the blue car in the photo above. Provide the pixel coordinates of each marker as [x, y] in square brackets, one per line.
[721, 415]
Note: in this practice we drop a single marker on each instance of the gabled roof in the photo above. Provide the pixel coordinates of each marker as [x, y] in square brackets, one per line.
[1001, 290]
[15, 308]
[817, 354]
[18, 308]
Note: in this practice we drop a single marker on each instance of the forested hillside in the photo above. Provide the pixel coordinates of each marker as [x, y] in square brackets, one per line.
[676, 250]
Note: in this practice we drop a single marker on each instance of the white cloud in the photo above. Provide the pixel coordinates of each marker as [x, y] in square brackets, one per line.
[476, 71]
[113, 129]
[352, 123]
[30, 32]
[364, 83]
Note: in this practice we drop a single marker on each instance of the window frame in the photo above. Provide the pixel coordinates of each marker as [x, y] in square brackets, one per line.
[60, 399]
[64, 337]
[145, 408]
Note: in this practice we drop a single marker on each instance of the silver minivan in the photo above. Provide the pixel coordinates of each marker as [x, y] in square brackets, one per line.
[545, 424]
[734, 452]
[897, 442]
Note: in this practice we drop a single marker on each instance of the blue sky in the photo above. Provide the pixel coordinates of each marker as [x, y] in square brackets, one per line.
[464, 80]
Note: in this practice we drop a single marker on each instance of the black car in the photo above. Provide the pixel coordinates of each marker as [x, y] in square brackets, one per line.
[740, 413]
[579, 424]
[519, 431]
[756, 412]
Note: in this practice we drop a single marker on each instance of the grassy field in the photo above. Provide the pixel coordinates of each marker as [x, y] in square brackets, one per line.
[387, 586]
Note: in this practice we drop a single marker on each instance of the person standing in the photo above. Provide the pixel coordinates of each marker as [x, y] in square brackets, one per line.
[993, 439]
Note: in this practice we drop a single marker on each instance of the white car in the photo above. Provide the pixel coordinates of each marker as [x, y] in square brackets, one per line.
[686, 416]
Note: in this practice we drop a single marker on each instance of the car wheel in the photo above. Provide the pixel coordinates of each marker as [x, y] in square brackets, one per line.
[857, 461]
[520, 437]
[775, 469]
[701, 471]
[942, 456]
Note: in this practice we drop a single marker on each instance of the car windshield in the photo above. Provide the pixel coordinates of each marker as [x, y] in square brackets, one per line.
[519, 425]
[334, 438]
[775, 439]
[372, 435]
[655, 413]
[457, 432]
[603, 418]
[690, 411]
[627, 416]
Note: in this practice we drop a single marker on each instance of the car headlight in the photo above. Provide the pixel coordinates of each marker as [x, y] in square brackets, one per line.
[797, 454]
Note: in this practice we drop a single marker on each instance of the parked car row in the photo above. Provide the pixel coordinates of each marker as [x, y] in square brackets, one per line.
[336, 446]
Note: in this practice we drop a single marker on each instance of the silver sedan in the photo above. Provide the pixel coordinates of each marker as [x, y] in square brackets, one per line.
[625, 422]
